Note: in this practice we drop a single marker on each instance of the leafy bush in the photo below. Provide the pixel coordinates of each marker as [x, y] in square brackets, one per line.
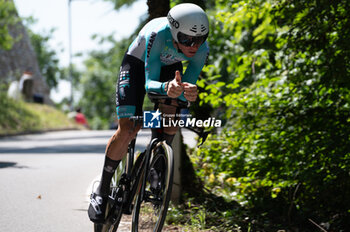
[8, 19]
[281, 76]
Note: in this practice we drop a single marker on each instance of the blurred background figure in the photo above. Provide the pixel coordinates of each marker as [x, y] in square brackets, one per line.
[22, 89]
[80, 118]
[26, 85]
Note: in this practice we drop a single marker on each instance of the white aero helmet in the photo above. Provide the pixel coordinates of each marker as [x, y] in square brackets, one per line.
[188, 23]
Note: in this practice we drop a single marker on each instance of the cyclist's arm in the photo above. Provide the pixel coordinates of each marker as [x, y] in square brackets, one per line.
[192, 72]
[154, 46]
[195, 67]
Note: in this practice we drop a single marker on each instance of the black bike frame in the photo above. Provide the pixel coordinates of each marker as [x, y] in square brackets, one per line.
[136, 173]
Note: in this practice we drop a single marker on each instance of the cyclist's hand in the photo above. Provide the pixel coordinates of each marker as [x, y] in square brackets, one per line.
[190, 91]
[175, 88]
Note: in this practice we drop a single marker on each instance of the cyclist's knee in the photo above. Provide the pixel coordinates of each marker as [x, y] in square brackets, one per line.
[127, 128]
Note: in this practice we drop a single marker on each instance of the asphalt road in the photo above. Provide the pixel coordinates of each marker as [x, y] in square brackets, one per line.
[46, 179]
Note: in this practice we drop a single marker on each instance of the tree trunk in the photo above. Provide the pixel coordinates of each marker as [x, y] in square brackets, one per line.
[158, 8]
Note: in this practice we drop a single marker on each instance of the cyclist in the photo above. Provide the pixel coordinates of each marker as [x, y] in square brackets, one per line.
[152, 63]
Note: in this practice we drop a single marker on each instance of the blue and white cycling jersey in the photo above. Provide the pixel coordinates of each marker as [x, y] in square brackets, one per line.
[154, 46]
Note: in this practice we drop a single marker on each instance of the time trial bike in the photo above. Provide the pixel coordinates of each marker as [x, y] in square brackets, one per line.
[142, 183]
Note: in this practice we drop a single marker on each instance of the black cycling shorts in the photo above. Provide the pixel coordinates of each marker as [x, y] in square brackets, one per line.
[131, 85]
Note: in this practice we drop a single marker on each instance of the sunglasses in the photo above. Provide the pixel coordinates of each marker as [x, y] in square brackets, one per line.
[190, 41]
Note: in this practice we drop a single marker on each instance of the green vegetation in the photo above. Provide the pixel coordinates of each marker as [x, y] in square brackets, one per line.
[21, 117]
[279, 74]
[7, 19]
[47, 57]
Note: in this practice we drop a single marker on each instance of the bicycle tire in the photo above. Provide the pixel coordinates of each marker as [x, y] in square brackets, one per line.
[151, 205]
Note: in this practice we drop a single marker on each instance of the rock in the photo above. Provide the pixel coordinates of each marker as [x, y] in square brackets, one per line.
[20, 59]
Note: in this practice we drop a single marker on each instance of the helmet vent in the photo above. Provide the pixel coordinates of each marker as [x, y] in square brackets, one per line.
[194, 29]
[203, 28]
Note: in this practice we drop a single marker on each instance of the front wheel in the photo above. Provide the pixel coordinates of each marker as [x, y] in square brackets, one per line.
[152, 201]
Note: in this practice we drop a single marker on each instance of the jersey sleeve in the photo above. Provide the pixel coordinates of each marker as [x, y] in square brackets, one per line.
[154, 44]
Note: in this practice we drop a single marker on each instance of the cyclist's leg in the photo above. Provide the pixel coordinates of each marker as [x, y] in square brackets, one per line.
[150, 210]
[115, 151]
[169, 132]
[168, 73]
[129, 99]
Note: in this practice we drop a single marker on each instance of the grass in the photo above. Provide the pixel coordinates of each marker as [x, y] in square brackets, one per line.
[200, 217]
[17, 117]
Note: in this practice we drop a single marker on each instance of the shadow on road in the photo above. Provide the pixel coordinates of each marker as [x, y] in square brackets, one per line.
[10, 165]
